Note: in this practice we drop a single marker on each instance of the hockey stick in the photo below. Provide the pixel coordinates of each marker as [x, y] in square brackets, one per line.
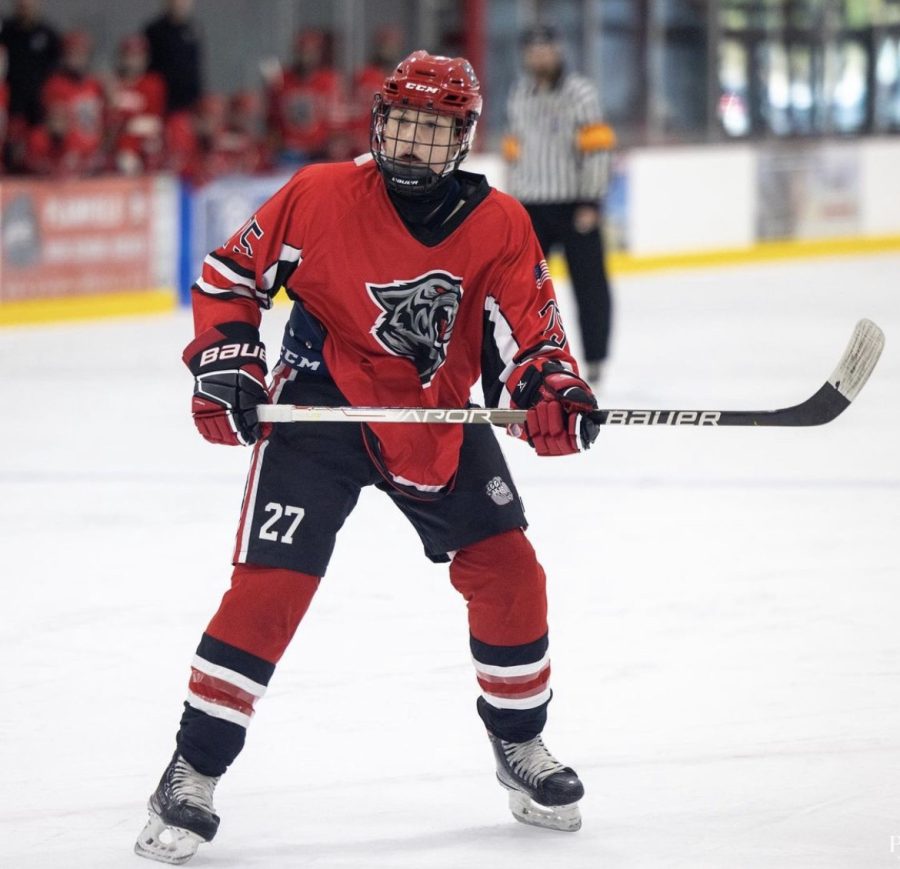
[830, 401]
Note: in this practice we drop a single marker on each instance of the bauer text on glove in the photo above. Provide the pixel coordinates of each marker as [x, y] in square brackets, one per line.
[229, 367]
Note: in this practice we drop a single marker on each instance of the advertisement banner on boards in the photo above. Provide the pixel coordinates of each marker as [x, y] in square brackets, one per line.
[76, 238]
[222, 207]
[808, 191]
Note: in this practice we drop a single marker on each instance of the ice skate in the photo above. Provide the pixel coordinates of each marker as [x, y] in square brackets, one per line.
[182, 816]
[542, 791]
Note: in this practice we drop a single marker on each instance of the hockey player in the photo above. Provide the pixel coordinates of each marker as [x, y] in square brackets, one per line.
[444, 283]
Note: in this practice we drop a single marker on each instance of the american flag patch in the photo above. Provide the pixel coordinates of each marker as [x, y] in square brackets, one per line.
[541, 273]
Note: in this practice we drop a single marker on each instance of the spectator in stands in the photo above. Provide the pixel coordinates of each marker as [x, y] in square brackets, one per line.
[387, 52]
[4, 106]
[33, 49]
[228, 140]
[303, 101]
[77, 93]
[225, 138]
[176, 54]
[56, 148]
[243, 142]
[207, 161]
[137, 103]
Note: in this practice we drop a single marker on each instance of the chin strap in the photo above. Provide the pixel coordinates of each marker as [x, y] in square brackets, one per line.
[412, 182]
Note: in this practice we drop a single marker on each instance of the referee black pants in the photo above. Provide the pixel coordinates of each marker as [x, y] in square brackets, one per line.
[554, 225]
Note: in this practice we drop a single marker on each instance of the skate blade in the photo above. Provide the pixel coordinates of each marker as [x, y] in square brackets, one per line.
[564, 818]
[158, 841]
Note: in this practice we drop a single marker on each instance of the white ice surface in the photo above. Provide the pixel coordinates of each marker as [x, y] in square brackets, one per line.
[725, 610]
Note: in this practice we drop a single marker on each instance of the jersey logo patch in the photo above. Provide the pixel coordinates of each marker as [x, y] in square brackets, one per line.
[418, 318]
[499, 492]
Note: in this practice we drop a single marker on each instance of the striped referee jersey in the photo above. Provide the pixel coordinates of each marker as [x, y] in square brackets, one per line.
[557, 147]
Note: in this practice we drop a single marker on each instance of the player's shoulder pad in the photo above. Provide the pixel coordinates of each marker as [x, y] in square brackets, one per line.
[510, 224]
[326, 173]
[330, 181]
[511, 206]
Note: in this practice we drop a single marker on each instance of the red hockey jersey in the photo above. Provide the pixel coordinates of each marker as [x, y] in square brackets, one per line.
[407, 323]
[136, 110]
[302, 108]
[84, 103]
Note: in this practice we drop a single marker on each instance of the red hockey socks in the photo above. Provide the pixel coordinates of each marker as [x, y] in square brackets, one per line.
[505, 588]
[235, 660]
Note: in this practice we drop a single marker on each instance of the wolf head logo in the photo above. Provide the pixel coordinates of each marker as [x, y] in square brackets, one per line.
[418, 318]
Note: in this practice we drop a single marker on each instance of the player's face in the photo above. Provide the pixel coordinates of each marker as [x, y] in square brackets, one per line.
[420, 138]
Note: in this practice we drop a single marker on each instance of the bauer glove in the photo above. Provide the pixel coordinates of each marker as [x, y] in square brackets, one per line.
[229, 367]
[560, 407]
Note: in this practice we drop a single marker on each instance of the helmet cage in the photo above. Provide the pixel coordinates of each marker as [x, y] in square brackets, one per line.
[387, 150]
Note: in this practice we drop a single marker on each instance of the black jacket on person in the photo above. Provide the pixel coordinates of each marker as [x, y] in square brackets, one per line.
[175, 53]
[32, 54]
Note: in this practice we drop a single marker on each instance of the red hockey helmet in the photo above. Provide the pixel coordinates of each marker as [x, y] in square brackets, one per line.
[428, 85]
[447, 85]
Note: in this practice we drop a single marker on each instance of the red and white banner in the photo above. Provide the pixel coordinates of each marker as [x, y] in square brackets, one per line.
[76, 238]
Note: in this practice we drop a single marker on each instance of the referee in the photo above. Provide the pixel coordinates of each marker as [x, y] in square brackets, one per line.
[557, 150]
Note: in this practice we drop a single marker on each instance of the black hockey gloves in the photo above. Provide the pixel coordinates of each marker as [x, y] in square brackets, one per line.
[229, 367]
[560, 406]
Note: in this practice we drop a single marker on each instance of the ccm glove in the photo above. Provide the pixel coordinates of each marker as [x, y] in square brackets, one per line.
[229, 367]
[560, 407]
